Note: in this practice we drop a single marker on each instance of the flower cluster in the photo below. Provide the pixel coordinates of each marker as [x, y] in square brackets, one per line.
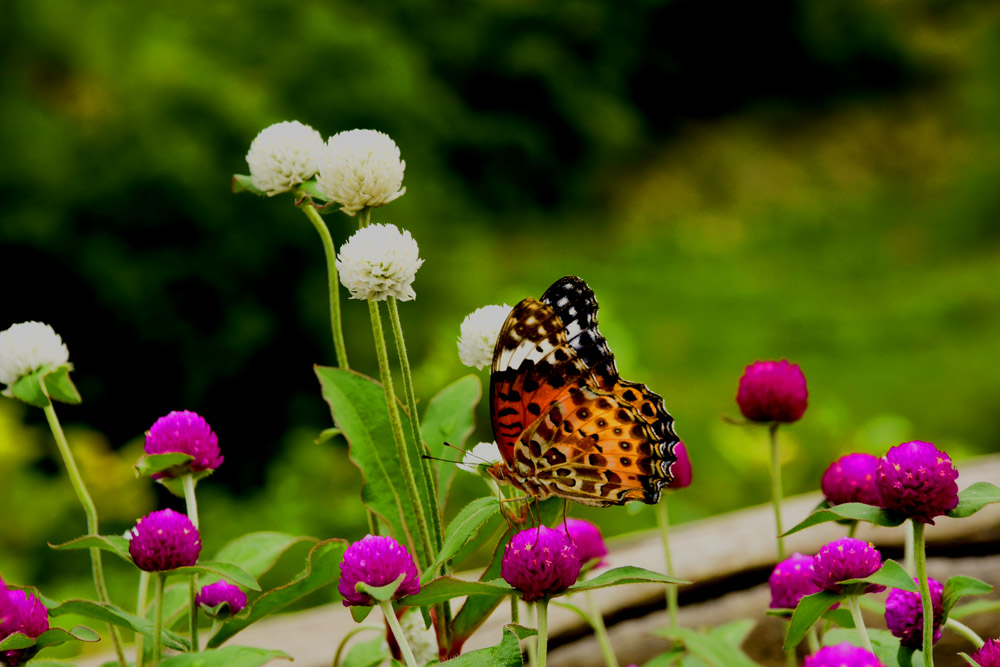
[851, 479]
[904, 615]
[360, 168]
[680, 470]
[791, 580]
[540, 562]
[164, 540]
[918, 480]
[588, 541]
[842, 655]
[846, 558]
[478, 335]
[284, 155]
[379, 261]
[20, 612]
[25, 348]
[483, 453]
[185, 432]
[223, 593]
[988, 654]
[376, 561]
[772, 391]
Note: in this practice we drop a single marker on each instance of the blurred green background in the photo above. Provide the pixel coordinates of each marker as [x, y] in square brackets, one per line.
[814, 180]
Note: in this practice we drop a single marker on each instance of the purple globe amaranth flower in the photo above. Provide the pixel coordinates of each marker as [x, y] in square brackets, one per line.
[681, 468]
[376, 561]
[30, 617]
[851, 479]
[791, 580]
[772, 391]
[540, 562]
[904, 614]
[918, 480]
[846, 558]
[8, 612]
[164, 540]
[988, 654]
[223, 593]
[188, 433]
[588, 541]
[842, 655]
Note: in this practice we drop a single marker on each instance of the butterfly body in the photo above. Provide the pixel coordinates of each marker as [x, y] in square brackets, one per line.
[567, 425]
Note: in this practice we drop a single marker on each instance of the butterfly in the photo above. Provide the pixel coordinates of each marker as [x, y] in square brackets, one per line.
[567, 425]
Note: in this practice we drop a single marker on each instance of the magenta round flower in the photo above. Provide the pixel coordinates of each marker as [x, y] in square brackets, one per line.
[846, 558]
[918, 480]
[988, 654]
[224, 593]
[791, 580]
[540, 562]
[188, 433]
[681, 468]
[588, 541]
[376, 561]
[904, 615]
[772, 391]
[851, 479]
[8, 612]
[842, 655]
[25, 615]
[164, 540]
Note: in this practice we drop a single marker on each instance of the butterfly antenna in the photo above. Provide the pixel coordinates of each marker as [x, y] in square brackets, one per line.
[434, 458]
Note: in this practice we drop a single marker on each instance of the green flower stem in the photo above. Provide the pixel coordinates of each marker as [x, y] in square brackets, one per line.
[776, 493]
[920, 560]
[191, 500]
[411, 405]
[600, 630]
[791, 660]
[908, 561]
[158, 619]
[76, 479]
[532, 646]
[859, 622]
[140, 611]
[542, 609]
[397, 432]
[852, 528]
[813, 639]
[663, 520]
[397, 632]
[515, 609]
[964, 631]
[334, 282]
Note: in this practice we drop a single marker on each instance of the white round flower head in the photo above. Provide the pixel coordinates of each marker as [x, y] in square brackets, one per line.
[484, 452]
[478, 335]
[379, 261]
[283, 156]
[360, 168]
[26, 347]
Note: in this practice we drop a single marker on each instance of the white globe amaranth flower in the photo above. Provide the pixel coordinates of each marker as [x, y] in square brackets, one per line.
[484, 452]
[379, 261]
[360, 168]
[478, 335]
[422, 641]
[26, 347]
[284, 155]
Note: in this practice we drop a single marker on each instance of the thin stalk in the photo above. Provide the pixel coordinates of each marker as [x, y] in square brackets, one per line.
[859, 622]
[187, 481]
[193, 593]
[600, 630]
[964, 631]
[920, 560]
[158, 619]
[397, 432]
[776, 493]
[191, 500]
[76, 480]
[542, 607]
[663, 520]
[397, 632]
[515, 609]
[532, 611]
[140, 611]
[852, 528]
[909, 564]
[813, 639]
[334, 283]
[790, 658]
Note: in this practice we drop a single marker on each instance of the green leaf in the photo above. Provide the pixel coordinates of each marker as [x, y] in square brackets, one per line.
[840, 616]
[450, 418]
[974, 498]
[477, 608]
[968, 659]
[958, 587]
[381, 593]
[973, 608]
[109, 613]
[360, 612]
[327, 435]
[57, 636]
[244, 183]
[713, 652]
[29, 389]
[369, 653]
[464, 528]
[890, 574]
[60, 387]
[257, 553]
[116, 544]
[229, 656]
[505, 654]
[735, 632]
[150, 464]
[322, 569]
[853, 511]
[623, 575]
[887, 647]
[357, 404]
[807, 612]
[446, 588]
[232, 573]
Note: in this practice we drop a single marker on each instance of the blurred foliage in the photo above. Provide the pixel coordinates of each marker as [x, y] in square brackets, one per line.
[797, 179]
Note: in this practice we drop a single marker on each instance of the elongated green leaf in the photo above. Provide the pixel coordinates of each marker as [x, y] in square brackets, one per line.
[975, 498]
[464, 528]
[623, 575]
[808, 611]
[369, 653]
[890, 574]
[109, 613]
[244, 183]
[853, 511]
[381, 593]
[357, 404]
[713, 652]
[116, 544]
[973, 608]
[229, 656]
[450, 418]
[232, 573]
[477, 608]
[968, 659]
[887, 647]
[150, 464]
[60, 387]
[505, 654]
[735, 632]
[322, 569]
[959, 586]
[446, 588]
[256, 553]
